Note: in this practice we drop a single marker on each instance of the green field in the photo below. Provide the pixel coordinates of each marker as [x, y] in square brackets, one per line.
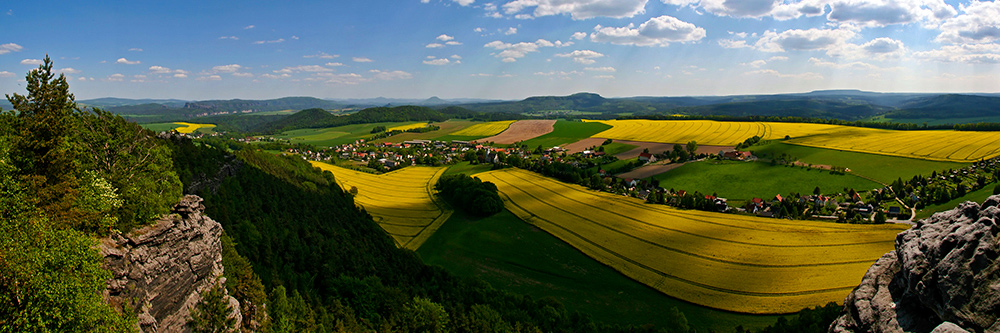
[616, 148]
[879, 167]
[332, 136]
[566, 132]
[746, 180]
[977, 196]
[515, 256]
[468, 168]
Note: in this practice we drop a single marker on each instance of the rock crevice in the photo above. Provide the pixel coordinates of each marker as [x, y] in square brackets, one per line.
[944, 276]
[160, 271]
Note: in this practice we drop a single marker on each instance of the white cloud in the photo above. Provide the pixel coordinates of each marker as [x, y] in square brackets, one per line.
[230, 37]
[879, 48]
[390, 75]
[361, 59]
[558, 73]
[585, 57]
[159, 70]
[579, 35]
[879, 13]
[6, 74]
[455, 56]
[68, 70]
[803, 40]
[304, 68]
[453, 43]
[733, 43]
[857, 65]
[777, 58]
[978, 23]
[757, 63]
[512, 52]
[116, 77]
[10, 47]
[32, 62]
[437, 62]
[322, 55]
[464, 3]
[607, 69]
[445, 38]
[135, 49]
[578, 9]
[425, 1]
[967, 53]
[279, 40]
[272, 76]
[242, 74]
[231, 68]
[510, 31]
[434, 45]
[524, 17]
[209, 78]
[126, 61]
[478, 29]
[605, 77]
[249, 27]
[771, 72]
[657, 31]
[334, 64]
[180, 75]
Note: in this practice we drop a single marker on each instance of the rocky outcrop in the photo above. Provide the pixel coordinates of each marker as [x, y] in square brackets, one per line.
[160, 271]
[944, 276]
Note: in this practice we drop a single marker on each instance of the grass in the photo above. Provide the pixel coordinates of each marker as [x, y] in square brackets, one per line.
[468, 168]
[745, 180]
[566, 132]
[616, 148]
[977, 196]
[160, 127]
[879, 167]
[516, 256]
[723, 261]
[332, 136]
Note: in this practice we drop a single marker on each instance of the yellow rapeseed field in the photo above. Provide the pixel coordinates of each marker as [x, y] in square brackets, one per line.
[401, 201]
[485, 129]
[406, 127]
[941, 145]
[190, 127]
[729, 262]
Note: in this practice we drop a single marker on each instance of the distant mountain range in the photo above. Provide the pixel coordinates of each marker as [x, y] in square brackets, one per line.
[848, 105]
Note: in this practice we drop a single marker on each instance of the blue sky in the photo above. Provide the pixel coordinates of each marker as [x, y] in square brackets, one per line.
[508, 49]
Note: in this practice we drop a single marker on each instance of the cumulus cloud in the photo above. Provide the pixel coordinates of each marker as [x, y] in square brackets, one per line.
[180, 76]
[510, 31]
[164, 70]
[249, 27]
[209, 78]
[585, 57]
[434, 45]
[967, 53]
[116, 77]
[464, 3]
[857, 65]
[657, 31]
[231, 68]
[733, 43]
[978, 23]
[579, 35]
[242, 74]
[322, 55]
[126, 61]
[10, 47]
[803, 40]
[6, 74]
[880, 13]
[334, 64]
[511, 52]
[304, 68]
[437, 62]
[607, 69]
[32, 62]
[445, 38]
[771, 72]
[135, 49]
[390, 75]
[451, 42]
[361, 59]
[578, 9]
[279, 40]
[68, 70]
[230, 37]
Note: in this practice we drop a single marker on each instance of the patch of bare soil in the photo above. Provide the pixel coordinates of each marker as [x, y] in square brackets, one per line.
[649, 170]
[522, 130]
[583, 145]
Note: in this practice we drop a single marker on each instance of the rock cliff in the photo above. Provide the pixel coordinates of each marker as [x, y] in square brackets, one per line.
[160, 271]
[944, 276]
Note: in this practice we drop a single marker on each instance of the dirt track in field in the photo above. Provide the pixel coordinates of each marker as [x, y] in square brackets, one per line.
[522, 130]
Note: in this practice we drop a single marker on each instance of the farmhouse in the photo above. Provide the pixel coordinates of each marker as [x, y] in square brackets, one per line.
[647, 157]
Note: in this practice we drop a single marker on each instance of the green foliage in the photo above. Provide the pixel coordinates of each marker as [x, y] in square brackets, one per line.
[378, 129]
[422, 315]
[133, 161]
[100, 199]
[810, 320]
[243, 284]
[470, 194]
[211, 314]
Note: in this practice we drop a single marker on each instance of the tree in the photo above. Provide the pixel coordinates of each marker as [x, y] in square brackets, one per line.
[41, 150]
[211, 314]
[692, 147]
[816, 191]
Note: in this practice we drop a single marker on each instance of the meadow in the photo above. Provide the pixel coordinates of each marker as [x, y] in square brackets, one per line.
[401, 201]
[737, 180]
[566, 132]
[332, 136]
[940, 145]
[728, 262]
[882, 168]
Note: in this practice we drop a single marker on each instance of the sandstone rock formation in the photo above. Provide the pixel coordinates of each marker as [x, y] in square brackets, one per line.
[161, 271]
[944, 276]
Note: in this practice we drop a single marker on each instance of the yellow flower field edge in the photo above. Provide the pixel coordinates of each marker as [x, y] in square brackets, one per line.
[406, 127]
[485, 129]
[938, 145]
[188, 128]
[723, 261]
[401, 201]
